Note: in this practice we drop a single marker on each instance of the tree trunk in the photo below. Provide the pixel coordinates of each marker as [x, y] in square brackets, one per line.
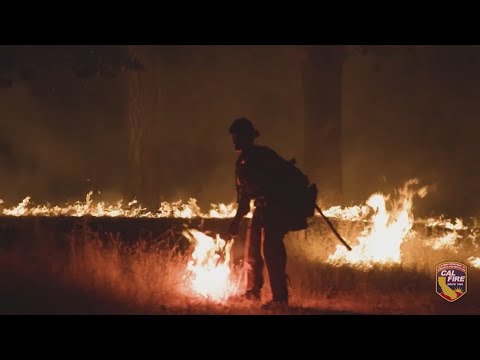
[322, 81]
[142, 94]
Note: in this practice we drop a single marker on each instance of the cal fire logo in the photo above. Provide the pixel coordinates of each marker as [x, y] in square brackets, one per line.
[451, 280]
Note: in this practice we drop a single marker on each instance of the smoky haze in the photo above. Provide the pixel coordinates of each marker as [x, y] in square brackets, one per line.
[207, 87]
[402, 116]
[414, 114]
[63, 135]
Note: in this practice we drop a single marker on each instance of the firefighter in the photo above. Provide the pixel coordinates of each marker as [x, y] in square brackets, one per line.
[257, 173]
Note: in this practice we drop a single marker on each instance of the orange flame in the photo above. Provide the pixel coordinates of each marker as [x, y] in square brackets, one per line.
[209, 275]
[474, 261]
[447, 224]
[176, 209]
[353, 213]
[446, 241]
[380, 243]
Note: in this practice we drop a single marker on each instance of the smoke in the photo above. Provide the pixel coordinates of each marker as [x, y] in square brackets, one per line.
[61, 136]
[415, 117]
[64, 134]
[410, 117]
[204, 90]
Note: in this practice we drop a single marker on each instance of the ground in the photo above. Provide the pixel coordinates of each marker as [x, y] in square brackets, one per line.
[83, 273]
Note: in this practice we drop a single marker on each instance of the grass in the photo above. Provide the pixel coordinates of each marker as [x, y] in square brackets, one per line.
[88, 273]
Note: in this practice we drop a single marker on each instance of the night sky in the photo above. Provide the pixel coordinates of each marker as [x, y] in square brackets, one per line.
[65, 115]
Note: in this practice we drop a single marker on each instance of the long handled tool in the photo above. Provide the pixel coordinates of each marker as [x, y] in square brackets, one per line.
[333, 229]
[222, 253]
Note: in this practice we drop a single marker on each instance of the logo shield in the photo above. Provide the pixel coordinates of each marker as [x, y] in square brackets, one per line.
[451, 280]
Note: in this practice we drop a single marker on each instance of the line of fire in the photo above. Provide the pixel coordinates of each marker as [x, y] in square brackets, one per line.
[120, 182]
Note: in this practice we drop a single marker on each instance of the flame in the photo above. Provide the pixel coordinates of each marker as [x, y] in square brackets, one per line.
[177, 209]
[380, 243]
[474, 261]
[20, 209]
[353, 213]
[387, 223]
[445, 242]
[448, 240]
[432, 222]
[209, 275]
[222, 211]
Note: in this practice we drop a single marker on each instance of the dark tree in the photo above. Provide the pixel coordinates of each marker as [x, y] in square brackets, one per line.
[322, 71]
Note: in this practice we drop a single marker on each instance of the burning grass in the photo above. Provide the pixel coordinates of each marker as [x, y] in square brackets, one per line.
[91, 274]
[176, 209]
[379, 287]
[390, 270]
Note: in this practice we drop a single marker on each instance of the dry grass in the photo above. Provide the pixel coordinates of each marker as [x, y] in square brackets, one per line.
[405, 288]
[88, 274]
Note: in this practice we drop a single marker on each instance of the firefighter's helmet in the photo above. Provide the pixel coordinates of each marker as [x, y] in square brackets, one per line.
[243, 126]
